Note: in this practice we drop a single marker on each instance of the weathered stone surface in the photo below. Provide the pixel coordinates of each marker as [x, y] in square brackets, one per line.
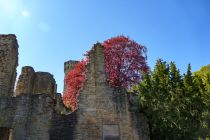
[25, 81]
[38, 113]
[68, 65]
[59, 106]
[101, 105]
[63, 126]
[31, 82]
[8, 64]
[33, 117]
[28, 116]
[44, 83]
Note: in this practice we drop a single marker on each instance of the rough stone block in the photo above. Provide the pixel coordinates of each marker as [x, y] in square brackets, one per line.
[8, 64]
[44, 83]
[31, 82]
[25, 81]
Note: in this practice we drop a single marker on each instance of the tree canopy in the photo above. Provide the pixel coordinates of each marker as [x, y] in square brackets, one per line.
[125, 60]
[178, 106]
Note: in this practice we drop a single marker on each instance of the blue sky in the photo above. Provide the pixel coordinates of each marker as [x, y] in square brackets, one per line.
[50, 32]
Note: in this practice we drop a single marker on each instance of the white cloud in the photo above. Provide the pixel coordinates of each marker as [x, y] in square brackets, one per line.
[44, 27]
[25, 14]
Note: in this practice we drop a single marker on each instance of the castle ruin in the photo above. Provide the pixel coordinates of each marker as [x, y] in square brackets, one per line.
[36, 111]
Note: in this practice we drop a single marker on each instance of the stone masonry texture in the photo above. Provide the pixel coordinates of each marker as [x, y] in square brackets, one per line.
[31, 82]
[36, 111]
[8, 64]
[25, 81]
[103, 107]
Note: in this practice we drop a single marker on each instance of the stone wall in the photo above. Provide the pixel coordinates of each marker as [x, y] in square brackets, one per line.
[29, 114]
[38, 112]
[31, 82]
[8, 64]
[103, 111]
[63, 126]
[44, 83]
[29, 117]
[25, 81]
[68, 65]
[139, 120]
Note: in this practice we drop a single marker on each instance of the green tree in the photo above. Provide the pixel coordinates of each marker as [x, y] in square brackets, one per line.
[204, 74]
[177, 105]
[202, 79]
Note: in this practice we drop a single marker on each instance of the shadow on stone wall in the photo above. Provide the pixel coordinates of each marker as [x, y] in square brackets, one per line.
[63, 126]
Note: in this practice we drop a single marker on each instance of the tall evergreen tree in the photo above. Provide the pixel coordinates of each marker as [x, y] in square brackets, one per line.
[177, 106]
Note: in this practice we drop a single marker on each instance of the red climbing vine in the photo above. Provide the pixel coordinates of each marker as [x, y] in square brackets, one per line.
[74, 81]
[124, 61]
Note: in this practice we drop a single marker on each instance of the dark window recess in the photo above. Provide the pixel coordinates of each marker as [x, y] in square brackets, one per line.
[5, 133]
[111, 132]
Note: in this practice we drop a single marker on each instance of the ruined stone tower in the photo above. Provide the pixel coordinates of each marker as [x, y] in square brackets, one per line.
[27, 114]
[103, 112]
[31, 82]
[8, 64]
[36, 111]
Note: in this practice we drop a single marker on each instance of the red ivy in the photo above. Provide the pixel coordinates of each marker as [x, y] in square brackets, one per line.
[74, 81]
[124, 61]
